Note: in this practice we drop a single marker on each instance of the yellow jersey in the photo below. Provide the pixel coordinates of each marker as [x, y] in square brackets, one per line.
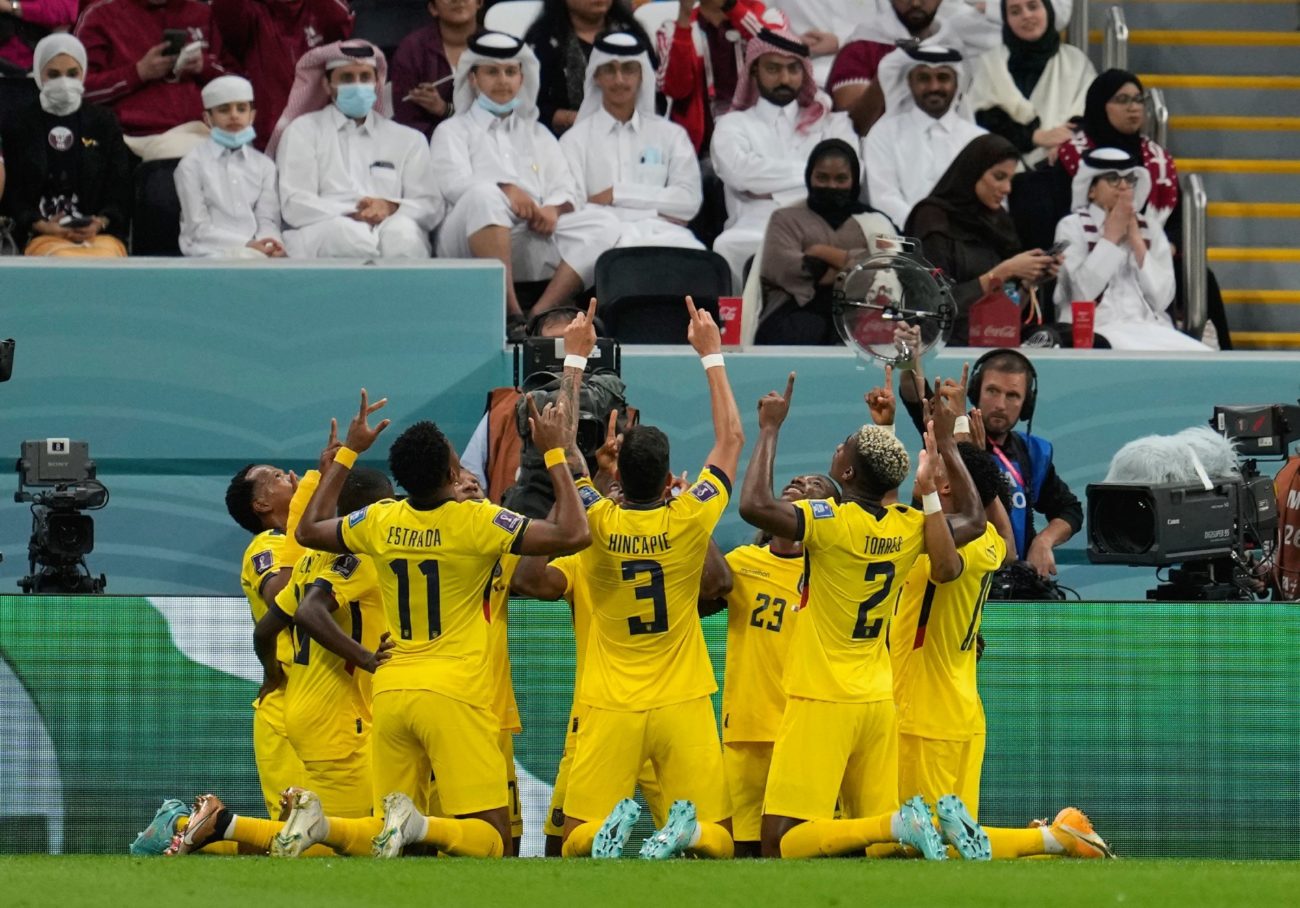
[855, 563]
[261, 563]
[643, 571]
[496, 608]
[327, 704]
[575, 590]
[434, 565]
[760, 624]
[932, 642]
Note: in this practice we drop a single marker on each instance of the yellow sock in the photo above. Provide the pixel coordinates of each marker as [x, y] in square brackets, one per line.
[182, 824]
[715, 842]
[464, 838]
[352, 836]
[827, 838]
[1015, 843]
[579, 842]
[891, 850]
[221, 846]
[255, 833]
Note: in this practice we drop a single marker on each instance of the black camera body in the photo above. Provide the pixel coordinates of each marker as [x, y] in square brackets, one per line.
[62, 535]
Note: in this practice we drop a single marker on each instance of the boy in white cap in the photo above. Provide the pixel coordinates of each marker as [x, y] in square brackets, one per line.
[513, 195]
[625, 156]
[230, 207]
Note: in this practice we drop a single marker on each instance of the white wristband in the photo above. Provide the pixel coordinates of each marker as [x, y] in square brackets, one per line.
[930, 503]
[961, 425]
[574, 361]
[712, 361]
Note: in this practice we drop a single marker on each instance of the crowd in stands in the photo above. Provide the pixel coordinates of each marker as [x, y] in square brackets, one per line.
[266, 128]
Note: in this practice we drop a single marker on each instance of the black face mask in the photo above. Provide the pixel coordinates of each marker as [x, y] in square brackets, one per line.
[833, 205]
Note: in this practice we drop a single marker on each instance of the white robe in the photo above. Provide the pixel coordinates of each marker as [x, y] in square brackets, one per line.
[1058, 96]
[1132, 302]
[474, 152]
[651, 166]
[759, 152]
[329, 162]
[907, 152]
[228, 199]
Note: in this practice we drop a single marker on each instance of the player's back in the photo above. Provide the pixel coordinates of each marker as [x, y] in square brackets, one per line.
[433, 566]
[496, 608]
[933, 643]
[643, 572]
[856, 561]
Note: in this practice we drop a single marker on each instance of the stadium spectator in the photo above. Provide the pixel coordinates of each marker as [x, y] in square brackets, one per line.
[513, 198]
[809, 243]
[1117, 258]
[353, 184]
[562, 38]
[1031, 87]
[425, 63]
[760, 149]
[702, 58]
[23, 24]
[924, 128]
[625, 156]
[230, 206]
[266, 38]
[852, 79]
[69, 176]
[965, 231]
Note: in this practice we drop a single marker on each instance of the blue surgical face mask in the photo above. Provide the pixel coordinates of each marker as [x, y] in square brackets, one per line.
[493, 107]
[233, 139]
[356, 99]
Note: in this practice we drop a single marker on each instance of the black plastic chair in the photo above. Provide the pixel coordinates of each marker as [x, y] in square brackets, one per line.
[385, 23]
[641, 291]
[17, 91]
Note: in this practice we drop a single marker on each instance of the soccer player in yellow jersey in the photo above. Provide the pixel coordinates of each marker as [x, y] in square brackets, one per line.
[648, 677]
[839, 734]
[767, 582]
[435, 556]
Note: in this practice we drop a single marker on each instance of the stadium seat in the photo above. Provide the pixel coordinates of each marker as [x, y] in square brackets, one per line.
[641, 289]
[653, 15]
[512, 16]
[385, 23]
[16, 92]
[156, 226]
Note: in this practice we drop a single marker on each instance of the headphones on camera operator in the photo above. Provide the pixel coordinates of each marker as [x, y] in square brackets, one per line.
[976, 381]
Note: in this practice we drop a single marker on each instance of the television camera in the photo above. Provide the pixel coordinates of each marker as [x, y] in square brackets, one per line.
[62, 533]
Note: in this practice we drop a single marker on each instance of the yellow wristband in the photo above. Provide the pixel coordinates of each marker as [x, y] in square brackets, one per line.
[554, 457]
[345, 456]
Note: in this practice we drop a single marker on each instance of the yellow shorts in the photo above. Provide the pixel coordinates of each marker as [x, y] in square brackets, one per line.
[646, 781]
[747, 763]
[344, 784]
[933, 768]
[506, 741]
[421, 732]
[824, 749]
[278, 766]
[680, 740]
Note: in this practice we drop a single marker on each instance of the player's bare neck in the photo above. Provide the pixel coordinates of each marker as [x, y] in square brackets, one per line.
[437, 499]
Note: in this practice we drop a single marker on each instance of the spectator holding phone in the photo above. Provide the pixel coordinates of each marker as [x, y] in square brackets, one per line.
[69, 180]
[425, 63]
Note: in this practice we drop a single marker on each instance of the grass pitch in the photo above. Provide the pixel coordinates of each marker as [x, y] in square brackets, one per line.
[534, 883]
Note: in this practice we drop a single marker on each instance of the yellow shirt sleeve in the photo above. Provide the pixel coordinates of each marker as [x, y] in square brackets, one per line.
[568, 566]
[705, 501]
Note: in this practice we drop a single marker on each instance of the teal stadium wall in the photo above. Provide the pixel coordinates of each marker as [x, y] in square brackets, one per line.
[179, 373]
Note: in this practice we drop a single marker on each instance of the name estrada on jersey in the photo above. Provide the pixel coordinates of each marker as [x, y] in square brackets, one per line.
[642, 571]
[434, 565]
[262, 562]
[855, 563]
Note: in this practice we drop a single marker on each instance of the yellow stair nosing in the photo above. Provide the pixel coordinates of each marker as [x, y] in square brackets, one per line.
[1256, 124]
[1255, 339]
[1265, 83]
[1252, 254]
[1254, 210]
[1237, 165]
[1261, 297]
[1204, 38]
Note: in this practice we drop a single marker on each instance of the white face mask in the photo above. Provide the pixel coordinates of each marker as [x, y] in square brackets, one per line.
[61, 96]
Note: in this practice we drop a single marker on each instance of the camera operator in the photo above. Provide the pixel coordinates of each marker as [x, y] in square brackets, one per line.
[1003, 390]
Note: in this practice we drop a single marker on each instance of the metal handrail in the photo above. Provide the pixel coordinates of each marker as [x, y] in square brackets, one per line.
[1115, 51]
[1157, 119]
[1077, 31]
[1195, 263]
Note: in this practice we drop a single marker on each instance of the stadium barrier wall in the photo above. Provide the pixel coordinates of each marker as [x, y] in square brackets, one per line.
[1172, 725]
[179, 373]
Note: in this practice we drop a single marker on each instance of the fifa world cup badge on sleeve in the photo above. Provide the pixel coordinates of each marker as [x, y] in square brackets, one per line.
[508, 521]
[345, 565]
[357, 516]
[262, 562]
[704, 490]
[588, 495]
[821, 509]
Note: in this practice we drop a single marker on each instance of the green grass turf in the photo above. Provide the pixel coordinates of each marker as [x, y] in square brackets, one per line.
[361, 883]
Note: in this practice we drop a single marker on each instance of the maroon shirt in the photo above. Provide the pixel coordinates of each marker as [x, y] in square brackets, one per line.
[265, 38]
[419, 58]
[117, 33]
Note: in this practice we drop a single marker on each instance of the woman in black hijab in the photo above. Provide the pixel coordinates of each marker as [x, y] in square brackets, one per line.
[965, 231]
[808, 244]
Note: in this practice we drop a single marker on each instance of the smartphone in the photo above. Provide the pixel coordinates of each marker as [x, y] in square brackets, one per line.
[175, 39]
[1058, 248]
[75, 223]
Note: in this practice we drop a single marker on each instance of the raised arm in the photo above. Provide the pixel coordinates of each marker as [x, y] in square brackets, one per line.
[728, 433]
[319, 527]
[534, 578]
[945, 561]
[967, 519]
[314, 616]
[758, 506]
[715, 582]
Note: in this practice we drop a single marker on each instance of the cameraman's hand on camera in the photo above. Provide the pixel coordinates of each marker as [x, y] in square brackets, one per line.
[360, 435]
[702, 332]
[580, 334]
[550, 428]
[1042, 556]
[880, 401]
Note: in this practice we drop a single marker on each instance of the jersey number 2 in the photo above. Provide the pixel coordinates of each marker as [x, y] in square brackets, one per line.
[654, 591]
[863, 630]
[432, 594]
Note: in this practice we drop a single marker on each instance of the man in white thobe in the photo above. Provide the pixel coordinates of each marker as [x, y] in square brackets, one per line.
[624, 156]
[760, 149]
[353, 183]
[924, 128]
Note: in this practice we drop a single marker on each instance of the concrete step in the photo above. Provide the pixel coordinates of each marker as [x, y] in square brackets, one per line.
[1212, 52]
[1251, 313]
[1261, 15]
[1271, 267]
[1266, 340]
[1247, 137]
[1245, 180]
[1258, 96]
[1232, 224]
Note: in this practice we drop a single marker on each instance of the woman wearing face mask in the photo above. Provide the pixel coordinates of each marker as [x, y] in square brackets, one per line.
[808, 244]
[69, 181]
